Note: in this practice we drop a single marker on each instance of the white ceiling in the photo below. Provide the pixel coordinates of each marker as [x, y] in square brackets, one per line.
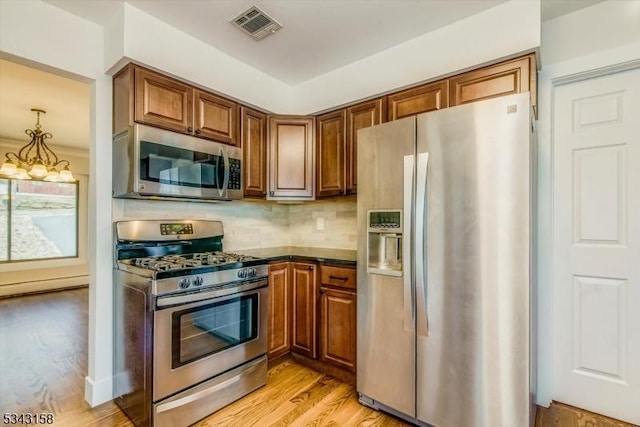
[318, 36]
[66, 102]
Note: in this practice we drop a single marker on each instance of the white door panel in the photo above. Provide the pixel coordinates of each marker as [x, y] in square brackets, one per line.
[596, 347]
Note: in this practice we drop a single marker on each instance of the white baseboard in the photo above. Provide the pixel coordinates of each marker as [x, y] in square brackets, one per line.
[43, 285]
[98, 392]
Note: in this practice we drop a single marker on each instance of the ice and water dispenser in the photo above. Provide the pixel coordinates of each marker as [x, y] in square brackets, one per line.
[384, 242]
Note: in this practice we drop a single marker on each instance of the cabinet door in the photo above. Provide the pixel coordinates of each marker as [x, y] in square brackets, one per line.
[162, 101]
[291, 147]
[429, 97]
[304, 282]
[357, 117]
[338, 328]
[215, 118]
[330, 143]
[518, 75]
[278, 335]
[254, 150]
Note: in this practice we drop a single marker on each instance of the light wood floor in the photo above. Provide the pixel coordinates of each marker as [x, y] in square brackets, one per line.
[43, 362]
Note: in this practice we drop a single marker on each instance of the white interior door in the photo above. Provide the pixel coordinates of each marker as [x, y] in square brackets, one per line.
[596, 222]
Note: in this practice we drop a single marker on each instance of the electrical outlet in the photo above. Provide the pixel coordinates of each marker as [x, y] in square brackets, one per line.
[319, 223]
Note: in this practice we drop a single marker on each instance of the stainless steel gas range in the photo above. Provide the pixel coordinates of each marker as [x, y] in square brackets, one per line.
[190, 322]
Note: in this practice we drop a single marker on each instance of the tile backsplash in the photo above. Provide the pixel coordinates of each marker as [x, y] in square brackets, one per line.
[337, 216]
[259, 224]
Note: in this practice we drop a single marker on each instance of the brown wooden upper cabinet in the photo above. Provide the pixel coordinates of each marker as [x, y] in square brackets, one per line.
[144, 96]
[215, 117]
[421, 99]
[291, 164]
[514, 76]
[330, 157]
[336, 141]
[359, 116]
[253, 134]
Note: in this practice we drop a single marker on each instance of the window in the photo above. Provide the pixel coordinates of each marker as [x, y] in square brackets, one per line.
[38, 220]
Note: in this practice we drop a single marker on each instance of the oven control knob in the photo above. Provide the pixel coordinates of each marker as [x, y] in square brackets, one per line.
[197, 281]
[242, 274]
[253, 272]
[184, 283]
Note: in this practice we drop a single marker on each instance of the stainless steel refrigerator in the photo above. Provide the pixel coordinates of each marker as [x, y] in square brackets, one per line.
[444, 266]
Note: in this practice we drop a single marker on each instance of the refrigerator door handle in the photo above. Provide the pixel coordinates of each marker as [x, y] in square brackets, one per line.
[406, 241]
[422, 325]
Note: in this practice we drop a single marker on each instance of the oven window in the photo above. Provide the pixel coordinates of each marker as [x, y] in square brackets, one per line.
[178, 166]
[211, 328]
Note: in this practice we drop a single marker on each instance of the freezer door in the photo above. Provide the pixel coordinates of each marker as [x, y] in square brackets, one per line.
[386, 339]
[473, 341]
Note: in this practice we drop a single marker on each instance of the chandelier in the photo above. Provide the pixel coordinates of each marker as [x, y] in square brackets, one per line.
[36, 160]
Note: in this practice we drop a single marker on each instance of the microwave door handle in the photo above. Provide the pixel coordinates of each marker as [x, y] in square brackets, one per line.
[225, 185]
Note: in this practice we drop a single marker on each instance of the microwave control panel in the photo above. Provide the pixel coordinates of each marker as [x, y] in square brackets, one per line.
[235, 175]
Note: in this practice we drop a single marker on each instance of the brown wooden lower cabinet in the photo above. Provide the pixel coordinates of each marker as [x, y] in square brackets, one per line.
[304, 319]
[312, 314]
[279, 310]
[338, 328]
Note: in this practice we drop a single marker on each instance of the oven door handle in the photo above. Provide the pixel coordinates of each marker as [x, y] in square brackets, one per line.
[214, 293]
[163, 407]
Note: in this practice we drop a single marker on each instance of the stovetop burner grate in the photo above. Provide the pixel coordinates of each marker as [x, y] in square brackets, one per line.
[185, 261]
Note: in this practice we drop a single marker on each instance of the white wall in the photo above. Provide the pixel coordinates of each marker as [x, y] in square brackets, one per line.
[503, 31]
[602, 35]
[135, 35]
[37, 34]
[140, 37]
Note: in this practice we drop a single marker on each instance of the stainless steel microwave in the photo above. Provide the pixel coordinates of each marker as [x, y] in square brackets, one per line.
[155, 163]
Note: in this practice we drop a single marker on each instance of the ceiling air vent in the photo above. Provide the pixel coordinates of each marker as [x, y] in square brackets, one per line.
[256, 23]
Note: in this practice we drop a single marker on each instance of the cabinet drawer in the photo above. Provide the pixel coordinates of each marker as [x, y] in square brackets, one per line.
[338, 276]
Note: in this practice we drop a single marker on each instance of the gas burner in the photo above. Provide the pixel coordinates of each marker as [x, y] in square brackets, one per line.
[211, 258]
[233, 257]
[160, 265]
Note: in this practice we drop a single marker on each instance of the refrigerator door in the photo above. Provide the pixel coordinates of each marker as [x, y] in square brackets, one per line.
[473, 349]
[386, 338]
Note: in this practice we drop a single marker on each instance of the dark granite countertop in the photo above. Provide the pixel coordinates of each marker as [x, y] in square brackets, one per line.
[320, 255]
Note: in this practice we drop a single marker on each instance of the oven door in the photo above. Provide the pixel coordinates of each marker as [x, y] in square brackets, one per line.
[195, 341]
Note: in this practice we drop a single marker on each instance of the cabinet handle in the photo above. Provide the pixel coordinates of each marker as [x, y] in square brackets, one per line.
[272, 193]
[321, 291]
[338, 278]
[198, 131]
[311, 267]
[189, 129]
